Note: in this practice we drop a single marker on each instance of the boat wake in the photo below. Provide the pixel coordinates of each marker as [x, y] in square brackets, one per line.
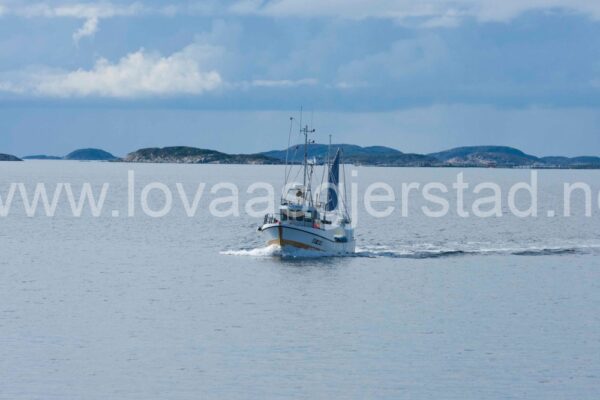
[276, 251]
[419, 253]
[269, 251]
[433, 252]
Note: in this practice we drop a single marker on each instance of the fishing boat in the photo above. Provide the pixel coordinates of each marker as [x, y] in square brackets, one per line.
[303, 221]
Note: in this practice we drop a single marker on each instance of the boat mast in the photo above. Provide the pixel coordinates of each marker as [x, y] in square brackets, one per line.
[328, 172]
[287, 152]
[306, 131]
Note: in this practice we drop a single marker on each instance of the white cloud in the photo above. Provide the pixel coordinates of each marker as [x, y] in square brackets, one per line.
[89, 28]
[426, 13]
[76, 10]
[139, 74]
[403, 61]
[432, 13]
[10, 88]
[283, 83]
[343, 85]
[491, 10]
[90, 12]
[246, 6]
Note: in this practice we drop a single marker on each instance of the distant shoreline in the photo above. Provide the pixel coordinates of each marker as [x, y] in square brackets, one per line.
[372, 156]
[121, 161]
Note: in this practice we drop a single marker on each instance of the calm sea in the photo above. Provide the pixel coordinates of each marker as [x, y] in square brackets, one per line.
[193, 308]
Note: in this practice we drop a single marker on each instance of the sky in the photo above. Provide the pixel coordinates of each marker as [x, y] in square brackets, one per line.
[417, 75]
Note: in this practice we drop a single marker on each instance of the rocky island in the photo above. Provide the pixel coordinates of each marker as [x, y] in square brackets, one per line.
[42, 157]
[357, 155]
[508, 157]
[474, 156]
[8, 157]
[193, 155]
[90, 155]
[78, 155]
[381, 156]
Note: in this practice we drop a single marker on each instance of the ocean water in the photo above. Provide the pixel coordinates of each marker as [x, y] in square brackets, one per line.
[196, 308]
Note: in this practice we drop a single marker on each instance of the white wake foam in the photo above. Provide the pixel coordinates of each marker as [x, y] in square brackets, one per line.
[436, 252]
[277, 251]
[268, 251]
[418, 252]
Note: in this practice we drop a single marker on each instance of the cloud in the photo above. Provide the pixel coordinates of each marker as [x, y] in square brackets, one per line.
[343, 85]
[423, 13]
[89, 28]
[283, 83]
[431, 13]
[10, 88]
[139, 74]
[90, 12]
[76, 10]
[404, 61]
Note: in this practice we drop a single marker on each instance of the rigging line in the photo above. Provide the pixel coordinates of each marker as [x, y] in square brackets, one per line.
[344, 198]
[297, 174]
[342, 209]
[319, 202]
[287, 150]
[326, 165]
[296, 147]
[293, 161]
[291, 166]
[346, 212]
[323, 175]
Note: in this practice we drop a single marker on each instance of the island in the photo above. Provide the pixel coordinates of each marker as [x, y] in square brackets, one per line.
[42, 157]
[90, 155]
[8, 157]
[380, 156]
[508, 157]
[193, 155]
[473, 156]
[78, 155]
[353, 154]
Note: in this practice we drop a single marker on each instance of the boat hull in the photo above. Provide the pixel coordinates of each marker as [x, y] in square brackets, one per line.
[311, 239]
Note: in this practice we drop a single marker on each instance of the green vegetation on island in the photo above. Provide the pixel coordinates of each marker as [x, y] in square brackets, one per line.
[8, 157]
[473, 156]
[90, 155]
[192, 155]
[78, 155]
[41, 157]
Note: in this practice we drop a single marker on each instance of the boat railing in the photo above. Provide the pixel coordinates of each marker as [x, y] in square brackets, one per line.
[272, 218]
[306, 222]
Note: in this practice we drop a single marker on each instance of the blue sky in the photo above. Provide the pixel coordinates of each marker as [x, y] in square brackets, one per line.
[420, 76]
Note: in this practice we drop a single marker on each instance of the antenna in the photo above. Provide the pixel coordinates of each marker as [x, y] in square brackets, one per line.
[287, 150]
[306, 131]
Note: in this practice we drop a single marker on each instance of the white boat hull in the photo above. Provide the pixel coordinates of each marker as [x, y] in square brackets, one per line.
[337, 241]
